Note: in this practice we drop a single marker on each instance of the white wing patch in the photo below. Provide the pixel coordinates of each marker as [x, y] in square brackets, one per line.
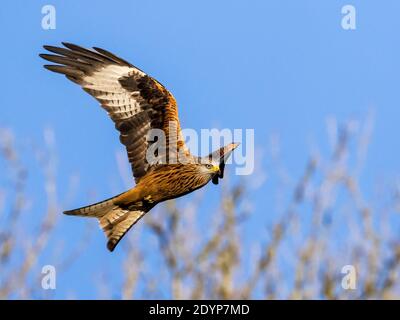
[103, 84]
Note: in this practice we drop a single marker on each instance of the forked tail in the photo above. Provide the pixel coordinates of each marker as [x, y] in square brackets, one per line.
[114, 219]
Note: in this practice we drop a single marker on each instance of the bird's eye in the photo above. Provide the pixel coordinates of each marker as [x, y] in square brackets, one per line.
[209, 166]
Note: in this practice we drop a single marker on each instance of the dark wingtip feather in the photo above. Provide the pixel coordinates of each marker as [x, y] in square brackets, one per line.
[75, 80]
[65, 70]
[48, 57]
[111, 245]
[47, 47]
[68, 44]
[112, 56]
[51, 67]
[75, 47]
[57, 50]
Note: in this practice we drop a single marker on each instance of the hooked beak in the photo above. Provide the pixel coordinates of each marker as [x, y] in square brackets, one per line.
[224, 154]
[215, 179]
[216, 176]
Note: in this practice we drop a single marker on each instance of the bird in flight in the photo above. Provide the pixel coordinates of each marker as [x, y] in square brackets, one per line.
[137, 104]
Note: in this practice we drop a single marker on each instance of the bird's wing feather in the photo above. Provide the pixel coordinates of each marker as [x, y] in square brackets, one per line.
[134, 101]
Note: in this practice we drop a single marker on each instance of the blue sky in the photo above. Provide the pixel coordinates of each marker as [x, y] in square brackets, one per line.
[278, 67]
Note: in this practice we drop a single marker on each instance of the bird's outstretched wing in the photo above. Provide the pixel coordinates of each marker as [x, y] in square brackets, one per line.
[134, 101]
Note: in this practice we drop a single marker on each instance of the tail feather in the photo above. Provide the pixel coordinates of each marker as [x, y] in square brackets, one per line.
[96, 210]
[114, 219]
[117, 223]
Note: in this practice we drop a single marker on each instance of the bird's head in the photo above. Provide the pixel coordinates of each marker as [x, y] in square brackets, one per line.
[215, 161]
[210, 168]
